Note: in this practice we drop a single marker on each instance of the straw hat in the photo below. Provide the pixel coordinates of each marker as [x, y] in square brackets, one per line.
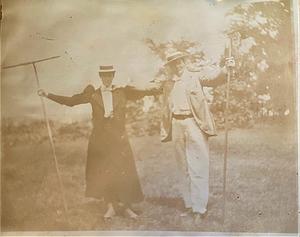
[174, 56]
[104, 69]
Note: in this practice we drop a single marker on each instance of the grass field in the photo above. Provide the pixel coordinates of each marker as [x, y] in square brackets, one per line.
[261, 191]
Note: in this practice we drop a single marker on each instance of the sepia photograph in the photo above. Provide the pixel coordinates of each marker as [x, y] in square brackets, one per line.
[148, 117]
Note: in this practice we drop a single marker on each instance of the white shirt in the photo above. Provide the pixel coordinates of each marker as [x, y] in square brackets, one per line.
[180, 105]
[107, 99]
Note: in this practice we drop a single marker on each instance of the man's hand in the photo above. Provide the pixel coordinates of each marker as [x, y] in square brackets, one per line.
[230, 62]
[42, 93]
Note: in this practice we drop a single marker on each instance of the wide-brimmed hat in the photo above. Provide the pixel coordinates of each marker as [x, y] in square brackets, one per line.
[174, 56]
[104, 69]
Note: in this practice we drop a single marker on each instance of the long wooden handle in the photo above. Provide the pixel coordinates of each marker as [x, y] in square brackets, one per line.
[52, 145]
[226, 133]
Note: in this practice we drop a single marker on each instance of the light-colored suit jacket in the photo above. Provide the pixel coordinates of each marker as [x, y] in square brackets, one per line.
[196, 99]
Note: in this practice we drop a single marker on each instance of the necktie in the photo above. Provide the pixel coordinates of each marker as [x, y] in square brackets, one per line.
[107, 101]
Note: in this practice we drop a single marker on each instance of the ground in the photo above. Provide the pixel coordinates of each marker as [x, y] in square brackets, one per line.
[261, 185]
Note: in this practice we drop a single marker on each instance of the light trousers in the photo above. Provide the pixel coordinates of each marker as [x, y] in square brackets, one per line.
[192, 155]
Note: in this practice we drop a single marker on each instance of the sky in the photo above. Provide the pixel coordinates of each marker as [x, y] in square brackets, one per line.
[86, 34]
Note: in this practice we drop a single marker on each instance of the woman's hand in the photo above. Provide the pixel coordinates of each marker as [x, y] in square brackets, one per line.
[42, 93]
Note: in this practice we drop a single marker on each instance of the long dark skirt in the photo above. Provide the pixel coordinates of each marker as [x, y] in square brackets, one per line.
[110, 171]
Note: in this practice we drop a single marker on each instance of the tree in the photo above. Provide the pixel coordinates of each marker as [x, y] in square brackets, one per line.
[263, 84]
[265, 56]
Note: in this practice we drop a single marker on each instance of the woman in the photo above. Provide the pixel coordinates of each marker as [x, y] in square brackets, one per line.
[110, 169]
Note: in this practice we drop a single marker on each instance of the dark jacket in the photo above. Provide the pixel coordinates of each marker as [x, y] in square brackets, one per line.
[110, 167]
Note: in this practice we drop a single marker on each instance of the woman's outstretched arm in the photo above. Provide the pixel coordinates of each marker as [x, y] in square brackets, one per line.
[134, 92]
[81, 98]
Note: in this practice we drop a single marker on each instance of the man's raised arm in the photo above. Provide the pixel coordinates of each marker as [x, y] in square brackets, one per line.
[221, 76]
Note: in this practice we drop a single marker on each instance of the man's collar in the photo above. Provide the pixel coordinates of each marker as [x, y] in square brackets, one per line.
[178, 78]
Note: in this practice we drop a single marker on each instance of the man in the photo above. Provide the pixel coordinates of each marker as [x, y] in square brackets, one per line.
[188, 121]
[110, 170]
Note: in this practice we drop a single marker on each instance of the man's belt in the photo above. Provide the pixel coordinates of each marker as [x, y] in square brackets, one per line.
[182, 116]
